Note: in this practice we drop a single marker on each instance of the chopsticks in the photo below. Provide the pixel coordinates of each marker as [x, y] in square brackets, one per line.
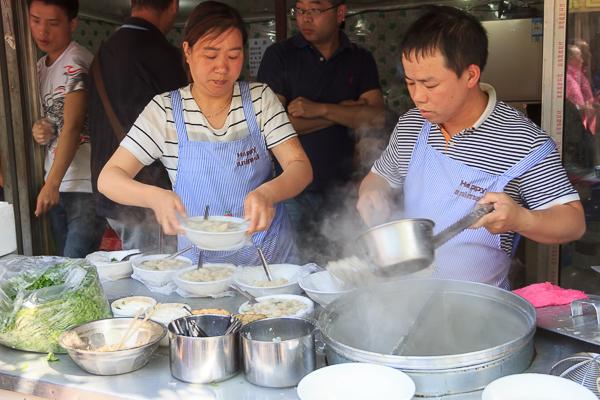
[135, 325]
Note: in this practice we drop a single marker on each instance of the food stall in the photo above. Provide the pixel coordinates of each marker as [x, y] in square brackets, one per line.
[494, 332]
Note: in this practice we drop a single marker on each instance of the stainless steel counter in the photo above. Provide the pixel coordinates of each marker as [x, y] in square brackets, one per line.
[32, 374]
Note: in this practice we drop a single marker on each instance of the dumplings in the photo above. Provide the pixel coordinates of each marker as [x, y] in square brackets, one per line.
[207, 225]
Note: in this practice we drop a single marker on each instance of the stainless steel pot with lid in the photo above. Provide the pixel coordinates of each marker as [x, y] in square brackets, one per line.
[458, 336]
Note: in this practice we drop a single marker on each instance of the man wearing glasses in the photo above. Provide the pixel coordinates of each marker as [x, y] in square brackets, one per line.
[330, 88]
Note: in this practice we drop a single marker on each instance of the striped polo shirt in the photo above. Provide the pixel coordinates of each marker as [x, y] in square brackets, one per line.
[500, 138]
[153, 135]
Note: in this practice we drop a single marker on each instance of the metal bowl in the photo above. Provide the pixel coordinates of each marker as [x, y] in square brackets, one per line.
[109, 332]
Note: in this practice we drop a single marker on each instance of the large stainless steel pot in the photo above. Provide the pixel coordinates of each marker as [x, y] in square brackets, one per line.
[459, 335]
[407, 245]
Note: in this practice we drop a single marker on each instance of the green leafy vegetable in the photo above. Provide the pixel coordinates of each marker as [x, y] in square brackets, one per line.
[42, 282]
[40, 305]
[51, 357]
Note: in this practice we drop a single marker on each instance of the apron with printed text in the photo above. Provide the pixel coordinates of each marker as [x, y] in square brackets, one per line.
[443, 190]
[220, 175]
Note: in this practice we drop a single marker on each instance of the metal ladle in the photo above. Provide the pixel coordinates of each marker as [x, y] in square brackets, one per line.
[263, 260]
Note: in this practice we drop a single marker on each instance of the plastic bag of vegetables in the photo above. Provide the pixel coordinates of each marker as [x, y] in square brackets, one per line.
[41, 297]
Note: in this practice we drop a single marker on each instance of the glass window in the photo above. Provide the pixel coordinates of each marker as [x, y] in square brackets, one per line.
[581, 144]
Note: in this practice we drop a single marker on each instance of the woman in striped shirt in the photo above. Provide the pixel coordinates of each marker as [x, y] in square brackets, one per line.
[459, 148]
[215, 137]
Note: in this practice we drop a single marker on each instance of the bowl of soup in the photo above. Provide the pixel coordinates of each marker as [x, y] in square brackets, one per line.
[157, 269]
[254, 280]
[209, 280]
[216, 232]
[280, 305]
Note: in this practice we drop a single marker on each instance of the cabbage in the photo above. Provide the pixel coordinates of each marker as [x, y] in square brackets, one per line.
[41, 297]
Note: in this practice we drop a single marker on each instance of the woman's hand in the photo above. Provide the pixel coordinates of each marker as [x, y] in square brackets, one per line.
[259, 209]
[167, 206]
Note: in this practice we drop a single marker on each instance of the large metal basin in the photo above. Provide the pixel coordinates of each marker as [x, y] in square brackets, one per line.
[456, 336]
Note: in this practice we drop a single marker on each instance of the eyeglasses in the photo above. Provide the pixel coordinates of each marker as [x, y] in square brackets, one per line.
[312, 12]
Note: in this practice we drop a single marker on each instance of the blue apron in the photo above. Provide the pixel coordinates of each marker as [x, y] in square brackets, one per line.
[442, 189]
[221, 174]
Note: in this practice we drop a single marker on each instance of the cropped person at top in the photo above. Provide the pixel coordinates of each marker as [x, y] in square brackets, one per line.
[329, 86]
[136, 63]
[215, 136]
[461, 147]
[67, 191]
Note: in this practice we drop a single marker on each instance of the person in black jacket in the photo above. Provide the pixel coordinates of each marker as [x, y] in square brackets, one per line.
[135, 63]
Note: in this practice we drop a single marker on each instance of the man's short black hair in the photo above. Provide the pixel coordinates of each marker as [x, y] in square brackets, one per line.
[71, 7]
[159, 5]
[459, 36]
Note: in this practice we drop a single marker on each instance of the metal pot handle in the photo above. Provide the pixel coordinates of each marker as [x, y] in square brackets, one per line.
[320, 344]
[462, 224]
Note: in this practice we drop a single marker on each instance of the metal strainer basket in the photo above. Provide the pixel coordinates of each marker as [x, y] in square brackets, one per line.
[583, 368]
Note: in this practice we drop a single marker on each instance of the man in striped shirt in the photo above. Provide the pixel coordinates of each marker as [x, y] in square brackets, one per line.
[459, 148]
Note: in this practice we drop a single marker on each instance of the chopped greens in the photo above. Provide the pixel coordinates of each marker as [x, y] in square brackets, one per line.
[38, 304]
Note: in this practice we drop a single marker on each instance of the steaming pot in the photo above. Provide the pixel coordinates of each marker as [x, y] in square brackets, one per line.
[456, 336]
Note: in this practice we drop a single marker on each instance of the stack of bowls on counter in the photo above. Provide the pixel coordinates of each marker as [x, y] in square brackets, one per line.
[112, 265]
[323, 288]
[162, 313]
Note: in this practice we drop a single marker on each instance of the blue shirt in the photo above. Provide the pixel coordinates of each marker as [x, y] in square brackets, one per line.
[295, 68]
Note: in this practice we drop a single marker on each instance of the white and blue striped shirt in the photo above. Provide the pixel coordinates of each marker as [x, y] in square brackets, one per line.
[500, 139]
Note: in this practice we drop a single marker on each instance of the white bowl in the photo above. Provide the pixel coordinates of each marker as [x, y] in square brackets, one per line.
[158, 278]
[164, 313]
[204, 289]
[535, 387]
[306, 312]
[356, 381]
[245, 277]
[109, 270]
[216, 240]
[322, 287]
[130, 306]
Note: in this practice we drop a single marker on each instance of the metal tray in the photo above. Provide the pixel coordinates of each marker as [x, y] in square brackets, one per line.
[579, 320]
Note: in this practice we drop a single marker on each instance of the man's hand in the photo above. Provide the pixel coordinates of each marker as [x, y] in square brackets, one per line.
[48, 197]
[304, 108]
[374, 207]
[43, 131]
[508, 216]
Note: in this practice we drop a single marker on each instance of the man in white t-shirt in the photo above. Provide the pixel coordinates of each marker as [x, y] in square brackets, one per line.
[66, 193]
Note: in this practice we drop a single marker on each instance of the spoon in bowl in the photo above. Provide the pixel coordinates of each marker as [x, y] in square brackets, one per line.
[206, 212]
[199, 260]
[263, 260]
[178, 253]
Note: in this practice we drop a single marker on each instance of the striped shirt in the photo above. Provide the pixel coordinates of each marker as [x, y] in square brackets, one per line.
[153, 135]
[500, 139]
